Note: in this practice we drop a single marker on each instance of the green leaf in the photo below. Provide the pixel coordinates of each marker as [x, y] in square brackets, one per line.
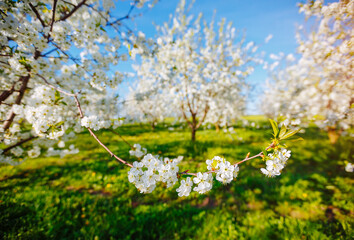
[59, 123]
[282, 131]
[57, 94]
[274, 126]
[289, 134]
[297, 139]
[294, 139]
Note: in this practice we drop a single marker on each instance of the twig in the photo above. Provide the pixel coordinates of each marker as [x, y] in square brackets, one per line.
[54, 87]
[249, 158]
[70, 3]
[122, 18]
[75, 60]
[100, 13]
[81, 116]
[95, 137]
[244, 160]
[37, 14]
[49, 52]
[72, 11]
[19, 143]
[1, 11]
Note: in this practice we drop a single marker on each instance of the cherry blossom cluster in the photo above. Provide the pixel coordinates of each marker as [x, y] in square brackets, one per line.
[138, 151]
[150, 170]
[349, 167]
[276, 162]
[225, 171]
[204, 181]
[94, 123]
[145, 174]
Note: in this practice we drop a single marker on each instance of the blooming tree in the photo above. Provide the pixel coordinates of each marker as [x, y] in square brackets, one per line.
[144, 104]
[51, 47]
[319, 84]
[197, 71]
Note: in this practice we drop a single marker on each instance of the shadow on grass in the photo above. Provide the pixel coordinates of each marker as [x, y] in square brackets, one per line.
[19, 218]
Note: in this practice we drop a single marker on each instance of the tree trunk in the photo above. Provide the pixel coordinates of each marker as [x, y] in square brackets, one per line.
[333, 135]
[217, 128]
[193, 131]
[194, 126]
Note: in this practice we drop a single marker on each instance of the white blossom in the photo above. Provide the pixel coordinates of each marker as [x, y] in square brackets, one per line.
[138, 151]
[349, 167]
[225, 173]
[204, 181]
[185, 187]
[61, 144]
[150, 170]
[34, 152]
[276, 162]
[17, 151]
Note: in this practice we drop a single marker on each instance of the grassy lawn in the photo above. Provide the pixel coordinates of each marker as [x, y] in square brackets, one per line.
[88, 195]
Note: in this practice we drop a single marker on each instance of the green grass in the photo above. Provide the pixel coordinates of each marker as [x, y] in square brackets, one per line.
[88, 196]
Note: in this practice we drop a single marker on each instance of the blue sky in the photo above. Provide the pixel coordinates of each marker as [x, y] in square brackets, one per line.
[258, 18]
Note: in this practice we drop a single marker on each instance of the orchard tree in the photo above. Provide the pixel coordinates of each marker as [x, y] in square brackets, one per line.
[144, 104]
[198, 70]
[71, 45]
[318, 85]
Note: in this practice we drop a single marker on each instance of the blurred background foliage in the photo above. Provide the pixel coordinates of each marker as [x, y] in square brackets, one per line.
[88, 195]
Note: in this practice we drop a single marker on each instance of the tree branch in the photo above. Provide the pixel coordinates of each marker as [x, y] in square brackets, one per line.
[19, 143]
[95, 137]
[63, 18]
[122, 18]
[206, 110]
[49, 52]
[5, 94]
[37, 14]
[81, 116]
[97, 11]
[244, 160]
[54, 87]
[53, 15]
[17, 101]
[185, 117]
